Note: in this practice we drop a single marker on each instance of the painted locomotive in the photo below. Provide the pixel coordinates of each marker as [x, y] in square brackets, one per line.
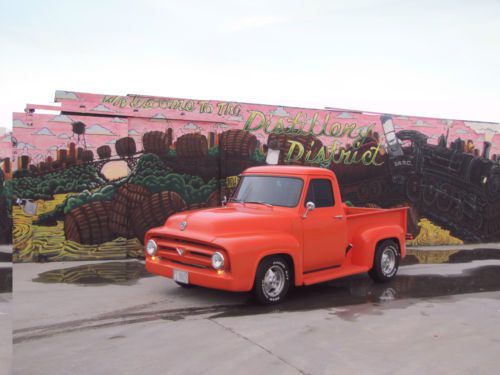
[455, 189]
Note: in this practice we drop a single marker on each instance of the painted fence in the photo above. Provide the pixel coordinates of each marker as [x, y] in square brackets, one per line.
[90, 179]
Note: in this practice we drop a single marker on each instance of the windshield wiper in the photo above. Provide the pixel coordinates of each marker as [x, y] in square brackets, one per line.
[235, 200]
[260, 202]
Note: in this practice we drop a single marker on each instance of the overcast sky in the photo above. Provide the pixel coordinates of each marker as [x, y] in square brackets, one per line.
[430, 58]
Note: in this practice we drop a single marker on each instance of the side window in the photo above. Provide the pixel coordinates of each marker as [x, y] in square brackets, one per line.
[320, 192]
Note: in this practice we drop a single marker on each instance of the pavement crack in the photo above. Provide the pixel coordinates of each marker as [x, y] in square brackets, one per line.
[281, 359]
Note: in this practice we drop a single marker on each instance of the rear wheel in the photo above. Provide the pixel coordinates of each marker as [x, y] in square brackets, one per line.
[272, 280]
[386, 261]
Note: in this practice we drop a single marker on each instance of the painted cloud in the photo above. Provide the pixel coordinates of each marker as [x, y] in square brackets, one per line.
[66, 95]
[189, 128]
[421, 124]
[344, 115]
[61, 118]
[24, 146]
[280, 111]
[97, 129]
[63, 136]
[43, 131]
[159, 116]
[483, 127]
[133, 132]
[101, 108]
[17, 123]
[119, 120]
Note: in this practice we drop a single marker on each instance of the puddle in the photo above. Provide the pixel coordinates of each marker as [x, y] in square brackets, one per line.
[449, 256]
[125, 273]
[346, 298]
[361, 289]
[5, 280]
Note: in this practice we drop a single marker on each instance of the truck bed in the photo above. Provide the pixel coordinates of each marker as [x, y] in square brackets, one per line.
[360, 219]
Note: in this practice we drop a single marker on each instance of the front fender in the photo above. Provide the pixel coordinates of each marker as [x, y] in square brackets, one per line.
[363, 251]
[245, 253]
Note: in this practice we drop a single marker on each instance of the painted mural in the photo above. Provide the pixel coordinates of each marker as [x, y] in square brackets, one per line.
[90, 179]
[5, 187]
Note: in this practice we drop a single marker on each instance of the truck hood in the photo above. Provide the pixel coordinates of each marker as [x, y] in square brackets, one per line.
[210, 224]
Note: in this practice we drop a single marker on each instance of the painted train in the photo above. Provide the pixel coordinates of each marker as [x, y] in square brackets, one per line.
[455, 189]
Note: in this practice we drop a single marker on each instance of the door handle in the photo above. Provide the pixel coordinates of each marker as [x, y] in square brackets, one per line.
[338, 217]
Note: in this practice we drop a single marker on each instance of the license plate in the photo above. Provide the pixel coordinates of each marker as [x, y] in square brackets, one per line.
[181, 276]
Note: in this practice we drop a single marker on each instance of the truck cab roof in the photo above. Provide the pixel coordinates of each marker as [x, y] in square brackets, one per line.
[287, 170]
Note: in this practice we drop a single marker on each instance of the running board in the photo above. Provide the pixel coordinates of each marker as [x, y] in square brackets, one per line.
[332, 273]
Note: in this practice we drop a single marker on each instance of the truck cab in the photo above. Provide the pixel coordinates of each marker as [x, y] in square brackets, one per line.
[284, 226]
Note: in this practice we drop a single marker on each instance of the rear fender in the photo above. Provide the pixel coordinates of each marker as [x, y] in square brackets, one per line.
[363, 251]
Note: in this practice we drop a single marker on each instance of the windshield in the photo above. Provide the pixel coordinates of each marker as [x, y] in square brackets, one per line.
[276, 191]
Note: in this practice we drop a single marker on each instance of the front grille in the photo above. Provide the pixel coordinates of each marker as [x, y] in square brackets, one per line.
[194, 254]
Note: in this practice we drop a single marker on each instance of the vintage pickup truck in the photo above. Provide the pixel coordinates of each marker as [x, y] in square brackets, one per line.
[284, 226]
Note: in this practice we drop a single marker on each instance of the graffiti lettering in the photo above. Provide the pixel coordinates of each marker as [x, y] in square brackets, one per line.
[137, 102]
[337, 155]
[228, 109]
[300, 125]
[206, 107]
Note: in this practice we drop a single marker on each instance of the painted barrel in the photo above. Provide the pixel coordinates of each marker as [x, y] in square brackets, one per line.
[237, 143]
[62, 155]
[126, 199]
[157, 142]
[6, 165]
[25, 161]
[88, 224]
[87, 156]
[104, 152]
[282, 142]
[125, 147]
[56, 164]
[192, 145]
[154, 210]
[42, 166]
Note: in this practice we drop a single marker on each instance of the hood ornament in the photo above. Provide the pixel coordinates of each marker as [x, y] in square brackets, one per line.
[180, 251]
[183, 225]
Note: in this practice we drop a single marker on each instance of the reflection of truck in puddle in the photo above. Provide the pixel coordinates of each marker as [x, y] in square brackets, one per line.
[283, 227]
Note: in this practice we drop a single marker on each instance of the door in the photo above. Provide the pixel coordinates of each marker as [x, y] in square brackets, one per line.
[324, 228]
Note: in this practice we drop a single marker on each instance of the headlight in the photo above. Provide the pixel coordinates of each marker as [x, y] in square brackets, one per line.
[217, 261]
[151, 247]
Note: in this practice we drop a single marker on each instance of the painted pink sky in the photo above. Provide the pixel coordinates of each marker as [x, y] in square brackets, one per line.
[43, 134]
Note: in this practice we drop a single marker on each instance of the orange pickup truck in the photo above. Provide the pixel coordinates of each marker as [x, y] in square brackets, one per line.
[284, 226]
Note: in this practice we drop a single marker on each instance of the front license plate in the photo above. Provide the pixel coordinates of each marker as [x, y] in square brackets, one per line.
[181, 276]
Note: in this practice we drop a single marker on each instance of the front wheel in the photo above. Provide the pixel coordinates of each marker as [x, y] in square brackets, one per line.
[272, 280]
[386, 261]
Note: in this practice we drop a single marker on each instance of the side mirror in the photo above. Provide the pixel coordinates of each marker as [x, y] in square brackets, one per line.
[309, 207]
[224, 200]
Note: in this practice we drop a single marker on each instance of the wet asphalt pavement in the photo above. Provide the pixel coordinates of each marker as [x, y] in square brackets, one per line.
[112, 317]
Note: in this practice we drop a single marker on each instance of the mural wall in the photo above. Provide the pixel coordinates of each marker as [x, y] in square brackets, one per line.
[92, 178]
[5, 187]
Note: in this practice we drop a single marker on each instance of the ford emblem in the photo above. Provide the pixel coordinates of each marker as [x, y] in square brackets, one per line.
[183, 225]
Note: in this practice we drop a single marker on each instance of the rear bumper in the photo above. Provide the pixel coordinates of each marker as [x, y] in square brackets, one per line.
[208, 278]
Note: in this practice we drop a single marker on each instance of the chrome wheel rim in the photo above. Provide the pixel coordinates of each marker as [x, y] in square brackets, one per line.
[274, 281]
[388, 261]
